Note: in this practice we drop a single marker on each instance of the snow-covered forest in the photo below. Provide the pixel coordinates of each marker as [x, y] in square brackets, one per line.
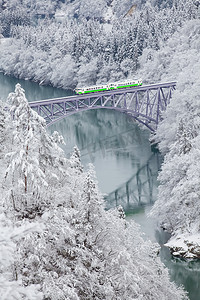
[177, 207]
[178, 135]
[73, 52]
[57, 240]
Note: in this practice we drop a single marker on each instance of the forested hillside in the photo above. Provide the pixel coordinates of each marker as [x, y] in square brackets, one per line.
[178, 202]
[83, 52]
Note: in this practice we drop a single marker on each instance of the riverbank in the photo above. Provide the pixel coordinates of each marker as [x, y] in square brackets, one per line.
[186, 246]
[71, 53]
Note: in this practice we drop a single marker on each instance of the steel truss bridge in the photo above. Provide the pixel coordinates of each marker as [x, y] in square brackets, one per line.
[145, 103]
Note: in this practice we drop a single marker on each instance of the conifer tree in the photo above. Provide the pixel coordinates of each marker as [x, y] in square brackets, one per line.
[34, 163]
[24, 175]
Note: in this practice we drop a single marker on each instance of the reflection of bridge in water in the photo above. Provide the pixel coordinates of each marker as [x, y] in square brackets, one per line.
[127, 139]
[140, 189]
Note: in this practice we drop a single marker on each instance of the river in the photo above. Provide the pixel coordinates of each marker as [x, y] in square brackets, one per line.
[126, 167]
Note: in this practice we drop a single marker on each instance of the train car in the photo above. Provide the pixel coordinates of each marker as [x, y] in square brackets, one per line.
[91, 89]
[109, 86]
[124, 84]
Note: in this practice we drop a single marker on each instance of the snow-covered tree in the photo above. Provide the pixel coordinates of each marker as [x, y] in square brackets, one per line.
[86, 252]
[70, 53]
[3, 127]
[11, 287]
[34, 163]
[24, 175]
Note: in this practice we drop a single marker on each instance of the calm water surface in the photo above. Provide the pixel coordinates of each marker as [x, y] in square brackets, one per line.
[126, 167]
[34, 91]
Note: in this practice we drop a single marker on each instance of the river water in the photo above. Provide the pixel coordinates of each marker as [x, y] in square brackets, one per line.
[126, 167]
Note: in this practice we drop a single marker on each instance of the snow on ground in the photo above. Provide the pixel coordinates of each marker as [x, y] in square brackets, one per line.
[4, 41]
[187, 246]
[60, 15]
[109, 16]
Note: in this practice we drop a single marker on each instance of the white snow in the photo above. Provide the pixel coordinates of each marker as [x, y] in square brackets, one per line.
[185, 245]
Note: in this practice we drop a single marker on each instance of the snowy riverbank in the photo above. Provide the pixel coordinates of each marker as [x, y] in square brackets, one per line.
[185, 246]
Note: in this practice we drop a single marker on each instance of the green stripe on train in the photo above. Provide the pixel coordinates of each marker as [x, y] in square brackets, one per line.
[112, 88]
[124, 86]
[95, 91]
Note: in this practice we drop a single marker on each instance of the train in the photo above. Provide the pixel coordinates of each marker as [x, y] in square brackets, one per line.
[109, 86]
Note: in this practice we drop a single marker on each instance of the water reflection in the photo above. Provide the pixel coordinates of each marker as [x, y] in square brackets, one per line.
[140, 189]
[186, 273]
[116, 146]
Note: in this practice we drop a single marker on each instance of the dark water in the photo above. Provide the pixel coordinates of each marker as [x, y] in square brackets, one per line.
[125, 164]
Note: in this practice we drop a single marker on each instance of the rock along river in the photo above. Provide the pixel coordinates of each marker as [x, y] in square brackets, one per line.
[126, 167]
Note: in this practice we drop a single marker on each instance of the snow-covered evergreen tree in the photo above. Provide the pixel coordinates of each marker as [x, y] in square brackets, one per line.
[2, 125]
[86, 252]
[24, 177]
[11, 286]
[35, 163]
